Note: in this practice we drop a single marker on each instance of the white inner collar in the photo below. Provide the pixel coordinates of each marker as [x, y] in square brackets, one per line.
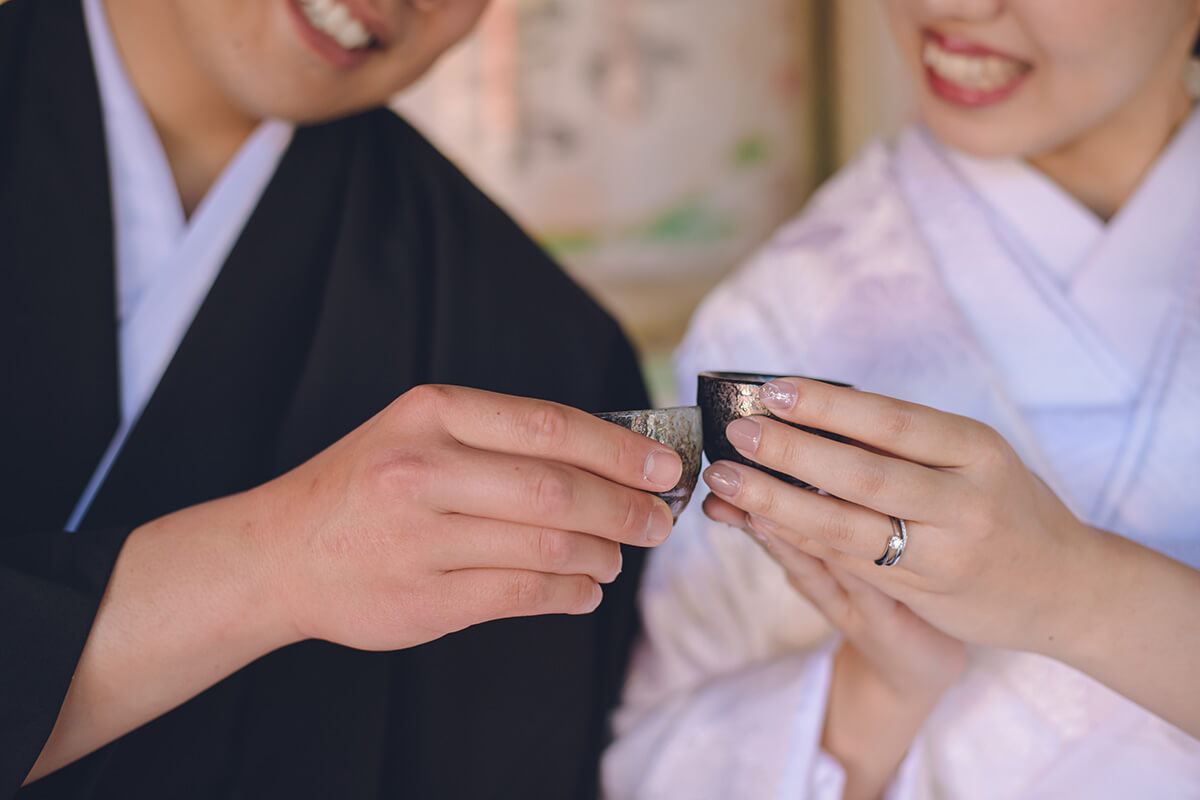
[165, 264]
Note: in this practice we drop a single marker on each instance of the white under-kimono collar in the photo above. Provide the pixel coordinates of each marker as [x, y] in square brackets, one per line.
[1090, 303]
[1063, 232]
[165, 263]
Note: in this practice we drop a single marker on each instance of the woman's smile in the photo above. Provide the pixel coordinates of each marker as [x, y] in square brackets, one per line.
[968, 74]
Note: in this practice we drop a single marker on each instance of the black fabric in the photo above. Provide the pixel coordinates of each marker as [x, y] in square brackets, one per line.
[370, 266]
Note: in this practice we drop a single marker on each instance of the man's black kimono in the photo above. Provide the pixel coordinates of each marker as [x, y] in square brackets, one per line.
[370, 265]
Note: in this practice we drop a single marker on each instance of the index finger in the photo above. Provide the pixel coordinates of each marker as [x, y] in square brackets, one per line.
[539, 428]
[912, 432]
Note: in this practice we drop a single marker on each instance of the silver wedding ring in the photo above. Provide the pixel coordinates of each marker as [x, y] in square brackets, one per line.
[895, 545]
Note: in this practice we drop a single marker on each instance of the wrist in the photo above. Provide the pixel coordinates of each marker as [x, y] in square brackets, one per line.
[869, 725]
[267, 545]
[1102, 569]
[228, 548]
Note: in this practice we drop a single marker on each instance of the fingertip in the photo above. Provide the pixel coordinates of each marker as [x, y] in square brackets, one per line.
[660, 523]
[593, 600]
[663, 469]
[724, 478]
[718, 510]
[780, 394]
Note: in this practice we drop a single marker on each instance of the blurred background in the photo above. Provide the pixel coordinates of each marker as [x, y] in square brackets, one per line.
[651, 145]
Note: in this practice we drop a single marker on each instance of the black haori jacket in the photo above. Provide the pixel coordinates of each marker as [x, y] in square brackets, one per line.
[370, 265]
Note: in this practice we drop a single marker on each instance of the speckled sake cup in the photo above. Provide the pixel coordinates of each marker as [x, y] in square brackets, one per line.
[677, 428]
[726, 396]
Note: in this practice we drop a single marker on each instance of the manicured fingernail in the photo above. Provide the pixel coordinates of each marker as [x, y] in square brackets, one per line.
[744, 434]
[663, 468]
[778, 395]
[658, 526]
[723, 480]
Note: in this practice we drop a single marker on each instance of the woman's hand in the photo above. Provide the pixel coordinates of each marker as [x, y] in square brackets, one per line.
[990, 551]
[993, 556]
[456, 506]
[889, 672]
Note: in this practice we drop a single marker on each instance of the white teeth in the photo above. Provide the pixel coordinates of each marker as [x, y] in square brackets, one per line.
[333, 18]
[983, 73]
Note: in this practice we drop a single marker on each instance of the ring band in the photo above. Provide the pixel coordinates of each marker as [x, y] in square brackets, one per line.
[895, 545]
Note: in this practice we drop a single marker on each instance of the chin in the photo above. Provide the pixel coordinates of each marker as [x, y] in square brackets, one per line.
[982, 137]
[297, 101]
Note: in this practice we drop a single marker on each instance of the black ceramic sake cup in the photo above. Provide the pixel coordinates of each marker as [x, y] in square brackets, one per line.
[677, 428]
[726, 396]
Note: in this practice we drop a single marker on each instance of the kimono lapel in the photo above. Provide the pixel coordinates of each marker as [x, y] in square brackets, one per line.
[1150, 496]
[1152, 253]
[1133, 283]
[1047, 353]
[1075, 348]
[57, 307]
[210, 425]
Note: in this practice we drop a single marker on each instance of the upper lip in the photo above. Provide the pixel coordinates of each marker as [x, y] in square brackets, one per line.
[967, 47]
[372, 19]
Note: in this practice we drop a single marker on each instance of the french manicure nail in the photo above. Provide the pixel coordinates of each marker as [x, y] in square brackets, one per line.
[744, 434]
[658, 526]
[779, 395]
[663, 468]
[723, 480]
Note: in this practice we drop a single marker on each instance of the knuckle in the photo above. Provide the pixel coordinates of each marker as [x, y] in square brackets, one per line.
[897, 421]
[554, 550]
[819, 406]
[869, 480]
[406, 472]
[544, 428]
[763, 499]
[835, 529]
[633, 515]
[429, 398]
[784, 449]
[986, 442]
[527, 591]
[550, 490]
[626, 450]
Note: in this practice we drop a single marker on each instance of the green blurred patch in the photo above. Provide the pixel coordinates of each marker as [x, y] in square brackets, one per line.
[690, 222]
[751, 150]
[570, 243]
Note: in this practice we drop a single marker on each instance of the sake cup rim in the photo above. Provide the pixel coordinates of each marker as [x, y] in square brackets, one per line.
[666, 410]
[758, 378]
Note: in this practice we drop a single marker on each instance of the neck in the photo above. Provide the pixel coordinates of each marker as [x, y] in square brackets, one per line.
[1103, 168]
[200, 127]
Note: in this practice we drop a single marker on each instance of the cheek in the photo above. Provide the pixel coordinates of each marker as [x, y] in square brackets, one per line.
[1092, 58]
[267, 71]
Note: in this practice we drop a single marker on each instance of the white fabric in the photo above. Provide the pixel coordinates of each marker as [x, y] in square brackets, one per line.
[165, 263]
[902, 277]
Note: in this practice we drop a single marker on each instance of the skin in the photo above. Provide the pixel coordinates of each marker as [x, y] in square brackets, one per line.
[1104, 94]
[449, 508]
[992, 552]
[991, 549]
[209, 72]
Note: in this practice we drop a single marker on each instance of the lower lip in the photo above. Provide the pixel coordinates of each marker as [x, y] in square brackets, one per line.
[966, 97]
[323, 44]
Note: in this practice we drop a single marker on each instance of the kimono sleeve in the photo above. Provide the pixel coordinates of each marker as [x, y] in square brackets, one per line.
[50, 589]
